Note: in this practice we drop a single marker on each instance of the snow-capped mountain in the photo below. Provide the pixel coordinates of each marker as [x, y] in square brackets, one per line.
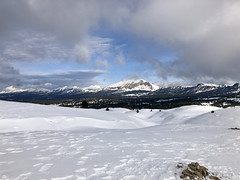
[133, 85]
[12, 89]
[94, 88]
[202, 87]
[126, 88]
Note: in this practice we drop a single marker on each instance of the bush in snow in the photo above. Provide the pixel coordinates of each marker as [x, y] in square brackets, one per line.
[107, 109]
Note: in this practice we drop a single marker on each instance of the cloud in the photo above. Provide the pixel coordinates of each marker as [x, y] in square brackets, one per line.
[32, 30]
[33, 47]
[8, 75]
[120, 59]
[92, 46]
[205, 34]
[81, 78]
[82, 53]
[101, 63]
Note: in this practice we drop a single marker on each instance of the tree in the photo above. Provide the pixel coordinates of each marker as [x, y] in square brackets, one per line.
[84, 104]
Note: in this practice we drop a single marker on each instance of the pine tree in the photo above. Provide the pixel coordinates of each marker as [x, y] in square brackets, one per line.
[84, 104]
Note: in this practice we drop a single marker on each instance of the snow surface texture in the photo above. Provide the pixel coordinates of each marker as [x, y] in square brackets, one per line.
[48, 142]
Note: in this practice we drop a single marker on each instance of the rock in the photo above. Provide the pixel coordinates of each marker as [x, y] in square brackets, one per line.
[180, 165]
[213, 178]
[235, 128]
[204, 172]
[188, 173]
[195, 171]
[182, 176]
[198, 174]
[192, 166]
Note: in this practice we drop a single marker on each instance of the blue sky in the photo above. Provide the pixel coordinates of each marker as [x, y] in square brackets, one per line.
[102, 42]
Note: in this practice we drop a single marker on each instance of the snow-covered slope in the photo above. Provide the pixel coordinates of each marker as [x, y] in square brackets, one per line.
[202, 87]
[133, 85]
[12, 89]
[33, 117]
[94, 88]
[56, 143]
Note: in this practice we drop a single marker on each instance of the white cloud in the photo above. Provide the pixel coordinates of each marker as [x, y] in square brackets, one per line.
[120, 59]
[81, 78]
[100, 45]
[92, 46]
[82, 53]
[101, 63]
[33, 46]
[48, 84]
[204, 34]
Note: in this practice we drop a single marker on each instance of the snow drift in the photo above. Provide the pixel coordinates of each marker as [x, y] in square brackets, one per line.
[56, 143]
[33, 117]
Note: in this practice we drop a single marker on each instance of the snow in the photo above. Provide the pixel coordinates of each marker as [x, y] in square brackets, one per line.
[56, 143]
[12, 89]
[207, 84]
[133, 85]
[68, 89]
[93, 88]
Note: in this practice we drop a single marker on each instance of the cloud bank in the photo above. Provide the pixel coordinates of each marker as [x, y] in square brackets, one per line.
[204, 35]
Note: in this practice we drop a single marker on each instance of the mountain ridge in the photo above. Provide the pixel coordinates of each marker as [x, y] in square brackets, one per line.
[127, 88]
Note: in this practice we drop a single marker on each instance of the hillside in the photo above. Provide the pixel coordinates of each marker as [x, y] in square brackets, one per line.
[130, 94]
[49, 142]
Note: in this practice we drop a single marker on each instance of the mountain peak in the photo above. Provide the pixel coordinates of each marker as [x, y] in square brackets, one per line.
[93, 88]
[133, 85]
[206, 84]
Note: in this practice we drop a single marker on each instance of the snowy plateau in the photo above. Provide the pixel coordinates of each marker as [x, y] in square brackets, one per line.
[40, 142]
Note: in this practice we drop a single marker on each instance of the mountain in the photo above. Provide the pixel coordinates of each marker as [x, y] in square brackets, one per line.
[94, 88]
[137, 88]
[132, 85]
[133, 89]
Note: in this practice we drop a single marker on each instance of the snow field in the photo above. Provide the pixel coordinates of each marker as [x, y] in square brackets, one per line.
[47, 142]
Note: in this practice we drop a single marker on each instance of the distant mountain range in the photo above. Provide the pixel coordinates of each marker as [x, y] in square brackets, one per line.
[123, 89]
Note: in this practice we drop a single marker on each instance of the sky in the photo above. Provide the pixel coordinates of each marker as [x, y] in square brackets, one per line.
[54, 43]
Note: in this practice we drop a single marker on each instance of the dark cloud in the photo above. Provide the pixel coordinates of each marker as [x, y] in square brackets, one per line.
[8, 75]
[12, 80]
[51, 81]
[204, 34]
